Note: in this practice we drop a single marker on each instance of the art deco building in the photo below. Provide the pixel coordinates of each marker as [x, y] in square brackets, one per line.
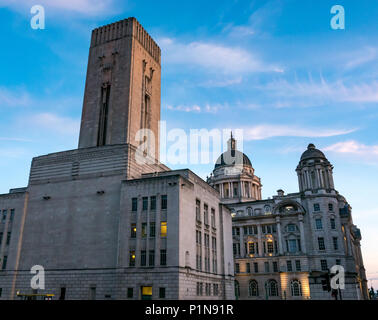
[102, 224]
[283, 246]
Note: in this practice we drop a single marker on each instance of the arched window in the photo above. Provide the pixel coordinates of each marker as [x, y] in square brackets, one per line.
[296, 288]
[249, 211]
[272, 288]
[237, 289]
[253, 288]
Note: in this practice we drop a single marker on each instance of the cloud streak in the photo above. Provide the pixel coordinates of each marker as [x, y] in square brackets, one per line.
[352, 147]
[82, 7]
[211, 57]
[266, 131]
[323, 91]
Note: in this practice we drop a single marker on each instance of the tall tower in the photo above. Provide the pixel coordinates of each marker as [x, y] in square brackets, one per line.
[314, 171]
[122, 90]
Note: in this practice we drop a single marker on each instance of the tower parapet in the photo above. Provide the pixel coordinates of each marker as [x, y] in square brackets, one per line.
[126, 28]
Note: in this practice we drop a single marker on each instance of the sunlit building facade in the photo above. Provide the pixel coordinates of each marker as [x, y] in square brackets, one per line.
[283, 246]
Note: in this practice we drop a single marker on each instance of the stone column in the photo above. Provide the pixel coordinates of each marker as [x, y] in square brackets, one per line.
[221, 191]
[259, 237]
[230, 193]
[301, 229]
[241, 241]
[242, 190]
[280, 247]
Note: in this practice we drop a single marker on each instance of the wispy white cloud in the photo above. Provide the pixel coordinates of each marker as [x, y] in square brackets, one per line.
[361, 57]
[216, 58]
[310, 92]
[83, 7]
[266, 131]
[14, 98]
[207, 108]
[351, 147]
[54, 123]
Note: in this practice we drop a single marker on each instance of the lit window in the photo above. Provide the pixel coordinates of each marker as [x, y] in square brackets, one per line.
[253, 288]
[296, 288]
[133, 230]
[146, 292]
[163, 229]
[144, 230]
[132, 258]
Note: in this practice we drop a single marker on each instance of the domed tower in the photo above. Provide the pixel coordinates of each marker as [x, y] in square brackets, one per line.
[315, 172]
[233, 176]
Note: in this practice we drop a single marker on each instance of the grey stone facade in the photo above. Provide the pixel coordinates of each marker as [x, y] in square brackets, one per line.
[283, 246]
[102, 224]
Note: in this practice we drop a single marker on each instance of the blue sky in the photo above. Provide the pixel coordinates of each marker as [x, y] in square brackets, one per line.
[276, 69]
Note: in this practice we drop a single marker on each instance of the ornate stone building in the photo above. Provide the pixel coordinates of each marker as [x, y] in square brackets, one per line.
[283, 246]
[103, 224]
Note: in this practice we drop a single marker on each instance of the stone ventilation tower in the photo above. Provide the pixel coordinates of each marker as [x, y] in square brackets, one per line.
[315, 172]
[122, 90]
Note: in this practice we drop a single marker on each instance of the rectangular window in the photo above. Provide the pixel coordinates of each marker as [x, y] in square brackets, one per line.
[330, 206]
[319, 224]
[11, 215]
[163, 257]
[333, 224]
[151, 258]
[215, 289]
[292, 245]
[1, 238]
[275, 266]
[132, 258]
[323, 264]
[133, 230]
[266, 266]
[251, 248]
[4, 214]
[248, 268]
[335, 243]
[163, 229]
[8, 238]
[289, 266]
[255, 229]
[161, 293]
[270, 247]
[316, 207]
[134, 204]
[237, 268]
[206, 214]
[145, 203]
[298, 265]
[338, 262]
[4, 262]
[164, 202]
[143, 259]
[144, 230]
[152, 229]
[256, 267]
[153, 203]
[130, 292]
[213, 218]
[321, 243]
[198, 210]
